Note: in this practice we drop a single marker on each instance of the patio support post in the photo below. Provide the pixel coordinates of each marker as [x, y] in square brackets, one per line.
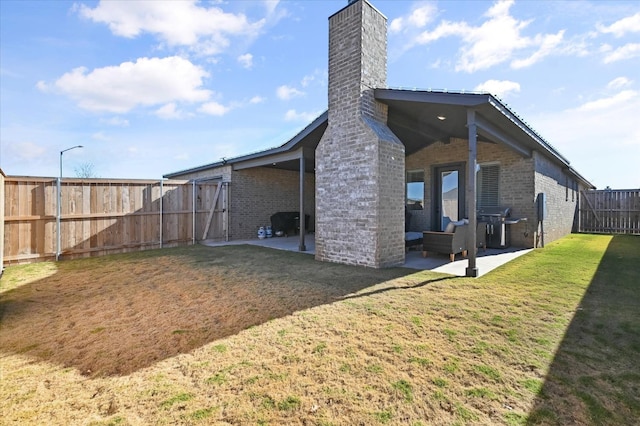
[302, 216]
[472, 269]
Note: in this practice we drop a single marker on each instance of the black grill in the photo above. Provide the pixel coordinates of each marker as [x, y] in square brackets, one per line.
[495, 218]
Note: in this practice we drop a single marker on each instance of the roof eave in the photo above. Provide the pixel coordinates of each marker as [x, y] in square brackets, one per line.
[471, 100]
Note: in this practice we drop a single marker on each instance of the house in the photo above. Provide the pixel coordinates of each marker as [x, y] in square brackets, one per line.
[355, 167]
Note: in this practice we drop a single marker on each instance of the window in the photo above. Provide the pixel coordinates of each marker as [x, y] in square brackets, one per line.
[488, 188]
[415, 190]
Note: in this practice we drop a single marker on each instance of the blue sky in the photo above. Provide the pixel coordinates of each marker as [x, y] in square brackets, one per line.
[153, 87]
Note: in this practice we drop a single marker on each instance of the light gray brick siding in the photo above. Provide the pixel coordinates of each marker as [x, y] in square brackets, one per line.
[359, 162]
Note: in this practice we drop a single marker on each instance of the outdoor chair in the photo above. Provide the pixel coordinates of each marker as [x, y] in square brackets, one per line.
[451, 243]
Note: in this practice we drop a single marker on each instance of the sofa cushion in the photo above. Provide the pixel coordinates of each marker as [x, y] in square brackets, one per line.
[451, 226]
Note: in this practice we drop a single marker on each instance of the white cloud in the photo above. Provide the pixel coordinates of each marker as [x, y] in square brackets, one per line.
[146, 82]
[445, 29]
[214, 108]
[619, 82]
[116, 122]
[287, 92]
[630, 24]
[628, 51]
[318, 76]
[498, 39]
[548, 45]
[271, 6]
[246, 60]
[500, 88]
[26, 151]
[610, 102]
[43, 86]
[396, 25]
[175, 22]
[257, 100]
[100, 136]
[170, 112]
[419, 17]
[293, 115]
[603, 131]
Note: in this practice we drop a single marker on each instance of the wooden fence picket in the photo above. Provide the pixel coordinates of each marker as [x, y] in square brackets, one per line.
[610, 211]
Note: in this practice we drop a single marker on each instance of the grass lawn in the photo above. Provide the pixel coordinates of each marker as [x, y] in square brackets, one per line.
[248, 335]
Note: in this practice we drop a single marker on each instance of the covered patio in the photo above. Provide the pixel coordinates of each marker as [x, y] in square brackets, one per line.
[487, 260]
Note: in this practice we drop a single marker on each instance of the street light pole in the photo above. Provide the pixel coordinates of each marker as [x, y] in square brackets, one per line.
[59, 212]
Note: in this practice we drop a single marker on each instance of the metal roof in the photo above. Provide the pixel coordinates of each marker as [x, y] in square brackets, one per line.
[309, 137]
[422, 117]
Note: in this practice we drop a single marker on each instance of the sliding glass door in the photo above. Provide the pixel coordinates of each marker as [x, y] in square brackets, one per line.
[449, 204]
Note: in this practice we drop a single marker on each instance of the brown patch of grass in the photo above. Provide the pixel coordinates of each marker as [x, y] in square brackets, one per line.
[117, 314]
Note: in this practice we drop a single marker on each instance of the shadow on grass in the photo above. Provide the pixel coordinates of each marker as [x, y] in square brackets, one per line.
[595, 375]
[394, 287]
[117, 314]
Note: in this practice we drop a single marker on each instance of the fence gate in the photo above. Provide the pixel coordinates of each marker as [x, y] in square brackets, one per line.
[610, 211]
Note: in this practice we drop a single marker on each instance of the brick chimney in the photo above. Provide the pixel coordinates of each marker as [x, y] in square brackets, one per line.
[360, 163]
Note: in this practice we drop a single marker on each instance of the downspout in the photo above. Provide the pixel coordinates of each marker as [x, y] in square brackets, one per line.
[161, 207]
[472, 269]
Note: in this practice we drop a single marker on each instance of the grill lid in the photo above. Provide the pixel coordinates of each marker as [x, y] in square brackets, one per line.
[495, 211]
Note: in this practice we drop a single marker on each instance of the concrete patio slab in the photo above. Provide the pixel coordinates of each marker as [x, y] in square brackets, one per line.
[486, 261]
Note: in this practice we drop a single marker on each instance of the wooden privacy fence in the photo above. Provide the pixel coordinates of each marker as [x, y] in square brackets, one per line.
[610, 211]
[100, 216]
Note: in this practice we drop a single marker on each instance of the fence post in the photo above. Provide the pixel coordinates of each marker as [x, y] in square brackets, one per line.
[193, 213]
[161, 211]
[58, 216]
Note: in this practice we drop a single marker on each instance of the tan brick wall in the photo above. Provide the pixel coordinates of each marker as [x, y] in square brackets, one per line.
[359, 162]
[257, 193]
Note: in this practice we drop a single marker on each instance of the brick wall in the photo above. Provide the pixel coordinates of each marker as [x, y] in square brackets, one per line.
[562, 199]
[257, 193]
[359, 162]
